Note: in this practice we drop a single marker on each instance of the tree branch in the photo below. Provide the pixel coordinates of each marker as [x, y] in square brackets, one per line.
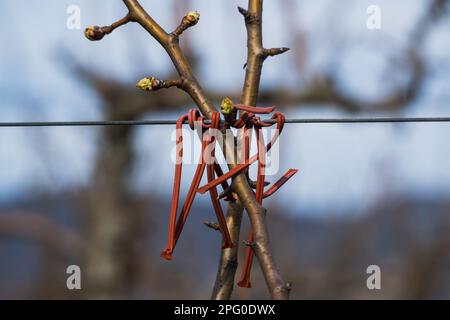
[275, 51]
[170, 43]
[96, 33]
[212, 225]
[189, 20]
[227, 268]
[224, 284]
[153, 84]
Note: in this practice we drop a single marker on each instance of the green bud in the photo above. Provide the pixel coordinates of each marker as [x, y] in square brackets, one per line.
[193, 17]
[145, 84]
[227, 106]
[149, 84]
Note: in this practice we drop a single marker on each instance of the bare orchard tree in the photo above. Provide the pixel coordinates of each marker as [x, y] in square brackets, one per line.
[187, 82]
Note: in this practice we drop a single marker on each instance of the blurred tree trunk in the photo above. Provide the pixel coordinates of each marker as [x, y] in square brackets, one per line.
[114, 219]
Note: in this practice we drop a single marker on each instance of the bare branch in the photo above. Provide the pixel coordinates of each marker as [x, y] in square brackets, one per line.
[253, 184]
[249, 16]
[227, 193]
[96, 33]
[326, 89]
[249, 244]
[212, 225]
[227, 268]
[224, 284]
[189, 20]
[244, 13]
[275, 51]
[255, 61]
[153, 84]
[170, 43]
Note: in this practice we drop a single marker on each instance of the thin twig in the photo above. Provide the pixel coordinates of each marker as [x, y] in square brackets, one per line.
[212, 225]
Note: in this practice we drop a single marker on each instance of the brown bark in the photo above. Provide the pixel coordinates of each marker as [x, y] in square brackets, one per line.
[256, 212]
[170, 42]
[256, 54]
[224, 283]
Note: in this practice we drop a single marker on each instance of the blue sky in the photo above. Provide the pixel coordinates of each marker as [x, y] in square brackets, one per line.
[341, 166]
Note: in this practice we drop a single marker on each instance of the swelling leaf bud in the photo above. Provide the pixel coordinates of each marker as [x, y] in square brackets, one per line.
[149, 84]
[227, 106]
[94, 33]
[193, 17]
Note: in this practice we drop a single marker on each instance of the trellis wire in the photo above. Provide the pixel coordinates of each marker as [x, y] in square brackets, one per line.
[173, 122]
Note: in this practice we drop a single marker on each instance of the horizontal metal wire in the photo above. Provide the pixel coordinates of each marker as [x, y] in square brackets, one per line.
[173, 122]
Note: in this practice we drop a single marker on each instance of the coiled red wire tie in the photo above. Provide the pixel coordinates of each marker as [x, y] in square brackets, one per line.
[247, 120]
[176, 226]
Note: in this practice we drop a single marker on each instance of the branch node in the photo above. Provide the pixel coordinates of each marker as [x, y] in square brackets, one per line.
[154, 84]
[253, 183]
[189, 20]
[249, 244]
[244, 12]
[274, 51]
[226, 194]
[212, 225]
[249, 18]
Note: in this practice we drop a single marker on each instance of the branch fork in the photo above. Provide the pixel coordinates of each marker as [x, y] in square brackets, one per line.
[249, 17]
[246, 196]
[250, 244]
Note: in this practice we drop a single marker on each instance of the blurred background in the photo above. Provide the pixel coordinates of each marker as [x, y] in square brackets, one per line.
[100, 197]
